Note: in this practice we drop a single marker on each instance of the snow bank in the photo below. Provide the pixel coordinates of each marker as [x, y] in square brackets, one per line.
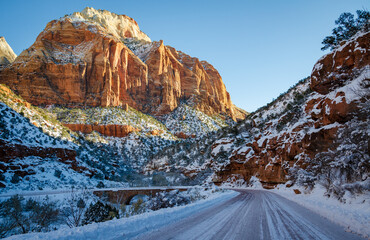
[128, 228]
[354, 215]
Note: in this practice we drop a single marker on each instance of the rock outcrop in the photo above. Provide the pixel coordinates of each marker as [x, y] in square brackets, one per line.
[82, 60]
[334, 69]
[106, 130]
[7, 55]
[76, 65]
[10, 151]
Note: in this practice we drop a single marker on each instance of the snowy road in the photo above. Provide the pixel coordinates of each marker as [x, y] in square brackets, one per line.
[253, 214]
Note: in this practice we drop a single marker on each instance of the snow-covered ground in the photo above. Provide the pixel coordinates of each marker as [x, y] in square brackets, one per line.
[354, 215]
[254, 214]
[189, 120]
[127, 228]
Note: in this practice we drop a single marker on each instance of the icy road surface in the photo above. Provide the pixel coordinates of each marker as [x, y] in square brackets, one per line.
[253, 214]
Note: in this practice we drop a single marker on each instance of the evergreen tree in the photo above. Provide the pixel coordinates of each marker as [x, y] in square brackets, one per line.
[100, 184]
[15, 179]
[20, 216]
[347, 27]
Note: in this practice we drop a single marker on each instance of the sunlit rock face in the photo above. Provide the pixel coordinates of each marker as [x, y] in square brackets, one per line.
[98, 58]
[7, 55]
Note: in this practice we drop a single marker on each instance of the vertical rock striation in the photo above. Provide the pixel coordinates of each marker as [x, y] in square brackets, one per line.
[82, 60]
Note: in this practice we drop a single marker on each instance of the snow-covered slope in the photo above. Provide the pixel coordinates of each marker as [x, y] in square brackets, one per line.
[39, 136]
[187, 121]
[143, 123]
[212, 152]
[315, 133]
[151, 135]
[31, 125]
[141, 48]
[36, 151]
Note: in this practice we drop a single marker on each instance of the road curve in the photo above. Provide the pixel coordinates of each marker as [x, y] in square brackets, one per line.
[254, 214]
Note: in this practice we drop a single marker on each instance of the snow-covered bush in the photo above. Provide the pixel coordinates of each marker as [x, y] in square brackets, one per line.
[15, 179]
[100, 184]
[302, 177]
[168, 199]
[346, 165]
[159, 180]
[137, 206]
[99, 212]
[75, 208]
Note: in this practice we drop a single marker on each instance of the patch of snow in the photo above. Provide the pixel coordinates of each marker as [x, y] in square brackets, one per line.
[189, 120]
[120, 26]
[17, 129]
[318, 66]
[350, 41]
[140, 48]
[217, 149]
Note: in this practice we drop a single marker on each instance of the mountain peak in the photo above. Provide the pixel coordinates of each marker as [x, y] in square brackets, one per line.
[120, 26]
[98, 58]
[6, 53]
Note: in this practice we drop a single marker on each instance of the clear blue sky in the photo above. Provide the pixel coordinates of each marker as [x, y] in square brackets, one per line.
[260, 48]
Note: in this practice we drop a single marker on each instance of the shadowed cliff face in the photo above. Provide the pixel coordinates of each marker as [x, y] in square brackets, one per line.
[79, 61]
[339, 82]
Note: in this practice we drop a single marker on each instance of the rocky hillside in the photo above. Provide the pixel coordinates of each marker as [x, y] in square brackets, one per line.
[7, 55]
[33, 146]
[108, 100]
[39, 151]
[112, 104]
[316, 132]
[97, 58]
[108, 144]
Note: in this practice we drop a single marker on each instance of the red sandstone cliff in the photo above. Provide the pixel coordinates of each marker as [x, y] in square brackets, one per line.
[334, 69]
[107, 130]
[81, 60]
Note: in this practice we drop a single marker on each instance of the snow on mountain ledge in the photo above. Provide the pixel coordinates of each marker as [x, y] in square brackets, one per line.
[120, 26]
[140, 48]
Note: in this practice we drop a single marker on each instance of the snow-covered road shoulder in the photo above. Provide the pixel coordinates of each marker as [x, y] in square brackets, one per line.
[127, 228]
[353, 216]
